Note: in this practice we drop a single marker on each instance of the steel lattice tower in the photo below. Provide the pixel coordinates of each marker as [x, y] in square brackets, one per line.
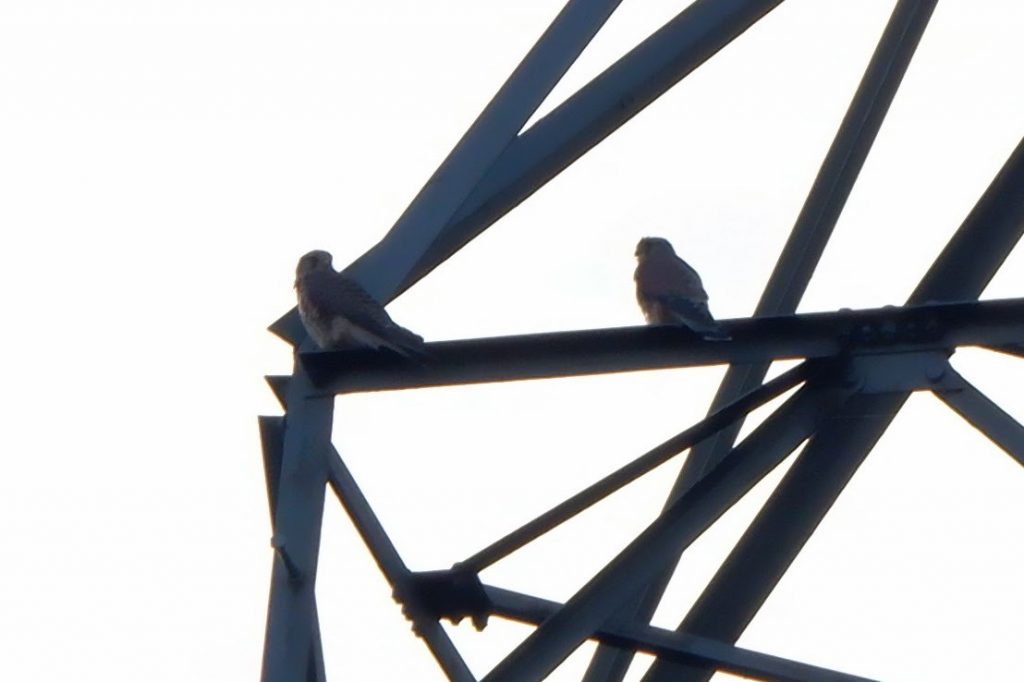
[858, 369]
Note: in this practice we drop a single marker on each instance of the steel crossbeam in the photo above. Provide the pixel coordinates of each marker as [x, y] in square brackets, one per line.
[535, 156]
[859, 369]
[670, 645]
[634, 470]
[394, 569]
[786, 521]
[961, 272]
[974, 406]
[598, 109]
[680, 524]
[560, 354]
[382, 269]
[800, 256]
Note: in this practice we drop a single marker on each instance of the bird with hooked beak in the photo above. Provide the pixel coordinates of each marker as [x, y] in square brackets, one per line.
[669, 291]
[338, 313]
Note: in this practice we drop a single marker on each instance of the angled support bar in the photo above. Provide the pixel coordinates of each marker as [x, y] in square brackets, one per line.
[530, 160]
[634, 470]
[383, 268]
[799, 257]
[394, 570]
[961, 272]
[365, 521]
[880, 330]
[982, 242]
[670, 645]
[676, 528]
[824, 204]
[846, 156]
[984, 415]
[594, 112]
[782, 527]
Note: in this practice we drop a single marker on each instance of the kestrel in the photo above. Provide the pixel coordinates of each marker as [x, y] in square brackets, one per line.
[338, 313]
[669, 291]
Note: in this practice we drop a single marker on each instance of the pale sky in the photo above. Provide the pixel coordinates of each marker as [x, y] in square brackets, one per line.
[164, 164]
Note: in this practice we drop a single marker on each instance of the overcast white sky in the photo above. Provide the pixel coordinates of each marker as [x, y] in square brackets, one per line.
[163, 165]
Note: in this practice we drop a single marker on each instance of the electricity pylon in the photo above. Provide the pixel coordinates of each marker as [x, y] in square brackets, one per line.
[858, 369]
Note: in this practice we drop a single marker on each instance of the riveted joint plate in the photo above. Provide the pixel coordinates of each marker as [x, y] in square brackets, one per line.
[902, 372]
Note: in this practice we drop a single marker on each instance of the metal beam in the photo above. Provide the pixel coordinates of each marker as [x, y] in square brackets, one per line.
[999, 218]
[675, 529]
[289, 328]
[279, 386]
[789, 517]
[291, 615]
[823, 205]
[365, 520]
[382, 269]
[394, 569]
[984, 240]
[1015, 349]
[634, 470]
[315, 670]
[272, 440]
[961, 272]
[800, 255]
[550, 145]
[272, 437]
[846, 157]
[984, 415]
[670, 645]
[594, 112]
[814, 335]
[546, 148]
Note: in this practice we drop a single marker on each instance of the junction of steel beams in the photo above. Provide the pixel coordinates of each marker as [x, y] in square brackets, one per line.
[858, 369]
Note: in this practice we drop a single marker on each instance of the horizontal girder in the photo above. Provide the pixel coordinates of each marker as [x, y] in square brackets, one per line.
[559, 354]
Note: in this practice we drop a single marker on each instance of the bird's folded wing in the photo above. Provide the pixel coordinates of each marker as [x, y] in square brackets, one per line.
[670, 278]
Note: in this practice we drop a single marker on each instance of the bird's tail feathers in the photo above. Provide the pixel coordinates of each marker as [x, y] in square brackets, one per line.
[716, 333]
[406, 343]
[697, 317]
[709, 329]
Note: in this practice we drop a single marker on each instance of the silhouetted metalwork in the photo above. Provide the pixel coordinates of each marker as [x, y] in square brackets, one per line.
[623, 349]
[798, 260]
[858, 369]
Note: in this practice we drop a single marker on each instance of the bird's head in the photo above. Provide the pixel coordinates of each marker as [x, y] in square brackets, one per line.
[312, 262]
[653, 245]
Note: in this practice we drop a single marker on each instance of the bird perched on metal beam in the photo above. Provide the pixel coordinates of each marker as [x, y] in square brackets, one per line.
[338, 313]
[669, 291]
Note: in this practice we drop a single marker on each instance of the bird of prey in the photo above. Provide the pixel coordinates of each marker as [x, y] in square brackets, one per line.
[339, 313]
[669, 291]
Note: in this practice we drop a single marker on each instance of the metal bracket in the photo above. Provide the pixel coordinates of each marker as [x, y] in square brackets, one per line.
[902, 372]
[280, 547]
[451, 593]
